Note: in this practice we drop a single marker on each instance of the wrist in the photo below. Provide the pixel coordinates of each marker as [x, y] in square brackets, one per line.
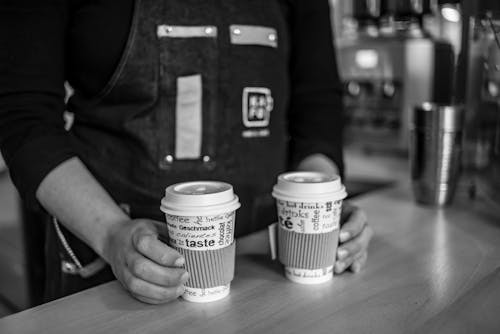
[111, 228]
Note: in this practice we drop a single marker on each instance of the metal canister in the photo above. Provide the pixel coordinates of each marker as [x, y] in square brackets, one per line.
[435, 152]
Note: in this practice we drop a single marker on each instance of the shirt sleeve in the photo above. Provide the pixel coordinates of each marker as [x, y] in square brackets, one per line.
[32, 136]
[316, 109]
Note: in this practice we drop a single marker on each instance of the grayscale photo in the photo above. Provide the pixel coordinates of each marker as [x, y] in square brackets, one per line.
[249, 166]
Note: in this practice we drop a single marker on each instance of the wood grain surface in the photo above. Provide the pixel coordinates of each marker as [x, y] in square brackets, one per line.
[430, 271]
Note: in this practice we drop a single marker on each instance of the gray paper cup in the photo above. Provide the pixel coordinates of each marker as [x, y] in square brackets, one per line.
[309, 206]
[200, 220]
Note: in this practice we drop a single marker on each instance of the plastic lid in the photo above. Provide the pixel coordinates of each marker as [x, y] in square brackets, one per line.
[296, 186]
[199, 197]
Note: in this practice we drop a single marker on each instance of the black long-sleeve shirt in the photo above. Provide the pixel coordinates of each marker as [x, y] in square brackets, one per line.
[44, 43]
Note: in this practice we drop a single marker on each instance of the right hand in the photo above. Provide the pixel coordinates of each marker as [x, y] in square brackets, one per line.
[150, 270]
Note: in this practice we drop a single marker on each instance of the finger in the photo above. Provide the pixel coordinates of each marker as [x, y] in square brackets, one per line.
[356, 245]
[147, 244]
[350, 249]
[342, 265]
[353, 250]
[353, 226]
[152, 272]
[149, 291]
[359, 263]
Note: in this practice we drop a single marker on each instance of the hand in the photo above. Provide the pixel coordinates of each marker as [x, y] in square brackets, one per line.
[354, 238]
[150, 270]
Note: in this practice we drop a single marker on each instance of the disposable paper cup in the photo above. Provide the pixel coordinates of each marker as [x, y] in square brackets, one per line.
[309, 206]
[200, 221]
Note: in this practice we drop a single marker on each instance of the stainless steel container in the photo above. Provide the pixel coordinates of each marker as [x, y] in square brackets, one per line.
[435, 152]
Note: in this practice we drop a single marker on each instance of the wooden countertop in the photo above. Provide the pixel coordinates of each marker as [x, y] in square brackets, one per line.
[430, 271]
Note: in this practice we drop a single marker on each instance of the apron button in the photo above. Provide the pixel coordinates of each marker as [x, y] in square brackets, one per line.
[169, 159]
[209, 30]
[166, 162]
[237, 31]
[272, 37]
[208, 163]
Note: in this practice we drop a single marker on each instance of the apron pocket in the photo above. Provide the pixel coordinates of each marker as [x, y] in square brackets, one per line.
[188, 87]
[188, 117]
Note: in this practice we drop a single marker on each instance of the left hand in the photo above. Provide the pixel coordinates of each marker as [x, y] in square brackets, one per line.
[354, 238]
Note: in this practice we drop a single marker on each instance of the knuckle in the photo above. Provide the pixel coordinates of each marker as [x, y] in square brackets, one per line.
[139, 268]
[355, 257]
[165, 259]
[143, 243]
[133, 284]
[344, 264]
[359, 263]
[359, 257]
[355, 246]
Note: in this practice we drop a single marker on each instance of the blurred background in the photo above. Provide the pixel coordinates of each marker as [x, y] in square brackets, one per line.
[392, 56]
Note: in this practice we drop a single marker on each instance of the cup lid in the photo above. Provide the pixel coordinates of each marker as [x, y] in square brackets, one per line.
[295, 186]
[199, 197]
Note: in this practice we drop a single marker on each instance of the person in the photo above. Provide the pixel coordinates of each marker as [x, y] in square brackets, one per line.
[164, 92]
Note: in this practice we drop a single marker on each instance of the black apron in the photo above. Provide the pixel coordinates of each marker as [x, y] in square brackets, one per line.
[200, 93]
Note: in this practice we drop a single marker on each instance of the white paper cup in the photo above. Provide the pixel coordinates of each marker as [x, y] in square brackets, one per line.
[200, 220]
[309, 206]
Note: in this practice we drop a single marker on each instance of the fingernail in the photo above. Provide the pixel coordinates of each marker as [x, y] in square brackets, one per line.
[179, 262]
[344, 236]
[185, 277]
[339, 266]
[355, 267]
[342, 253]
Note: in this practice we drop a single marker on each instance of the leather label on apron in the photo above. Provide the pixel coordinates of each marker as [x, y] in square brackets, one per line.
[253, 35]
[188, 117]
[186, 31]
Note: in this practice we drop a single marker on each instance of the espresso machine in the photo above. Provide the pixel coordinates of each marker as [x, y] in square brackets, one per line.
[479, 90]
[390, 63]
